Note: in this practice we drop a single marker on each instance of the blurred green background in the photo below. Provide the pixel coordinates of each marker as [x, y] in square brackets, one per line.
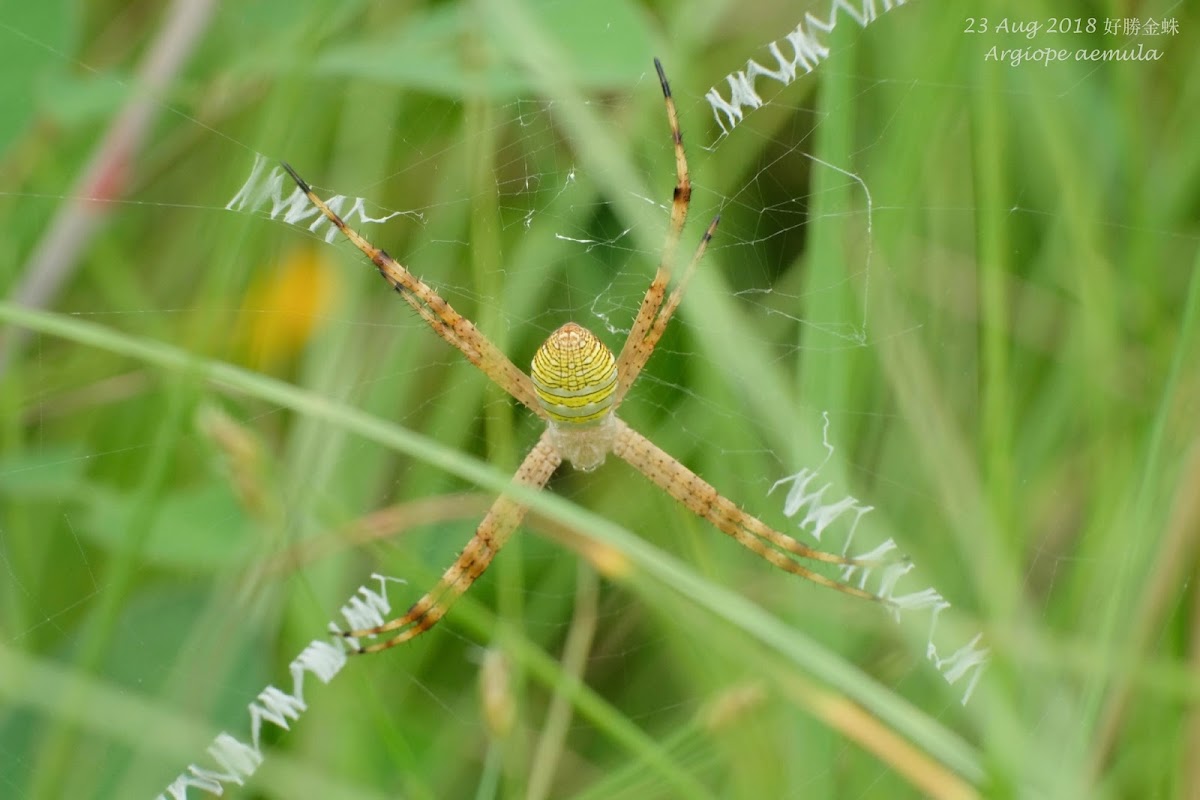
[987, 285]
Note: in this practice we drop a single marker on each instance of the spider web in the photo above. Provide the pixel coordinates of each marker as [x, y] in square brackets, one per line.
[197, 538]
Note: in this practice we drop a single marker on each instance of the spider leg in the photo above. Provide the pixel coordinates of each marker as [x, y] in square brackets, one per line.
[650, 340]
[437, 313]
[632, 358]
[705, 501]
[498, 525]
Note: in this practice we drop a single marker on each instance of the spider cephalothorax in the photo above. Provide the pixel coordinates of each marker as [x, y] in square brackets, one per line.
[576, 386]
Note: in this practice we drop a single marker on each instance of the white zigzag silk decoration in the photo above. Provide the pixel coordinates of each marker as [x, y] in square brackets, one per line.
[264, 191]
[806, 51]
[236, 760]
[818, 514]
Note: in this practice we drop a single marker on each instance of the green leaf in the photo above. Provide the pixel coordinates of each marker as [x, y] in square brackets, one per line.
[33, 40]
[443, 51]
[196, 529]
[54, 471]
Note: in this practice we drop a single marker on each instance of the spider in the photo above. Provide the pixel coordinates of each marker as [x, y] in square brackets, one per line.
[576, 385]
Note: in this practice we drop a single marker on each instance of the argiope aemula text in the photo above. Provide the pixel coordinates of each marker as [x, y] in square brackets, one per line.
[576, 385]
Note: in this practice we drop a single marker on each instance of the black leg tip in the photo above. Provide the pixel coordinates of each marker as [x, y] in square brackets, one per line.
[304, 187]
[662, 78]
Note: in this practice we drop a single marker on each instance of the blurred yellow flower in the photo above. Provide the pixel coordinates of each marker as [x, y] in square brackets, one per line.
[284, 307]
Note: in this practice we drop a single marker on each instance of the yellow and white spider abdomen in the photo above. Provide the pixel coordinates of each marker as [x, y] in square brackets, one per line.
[575, 376]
